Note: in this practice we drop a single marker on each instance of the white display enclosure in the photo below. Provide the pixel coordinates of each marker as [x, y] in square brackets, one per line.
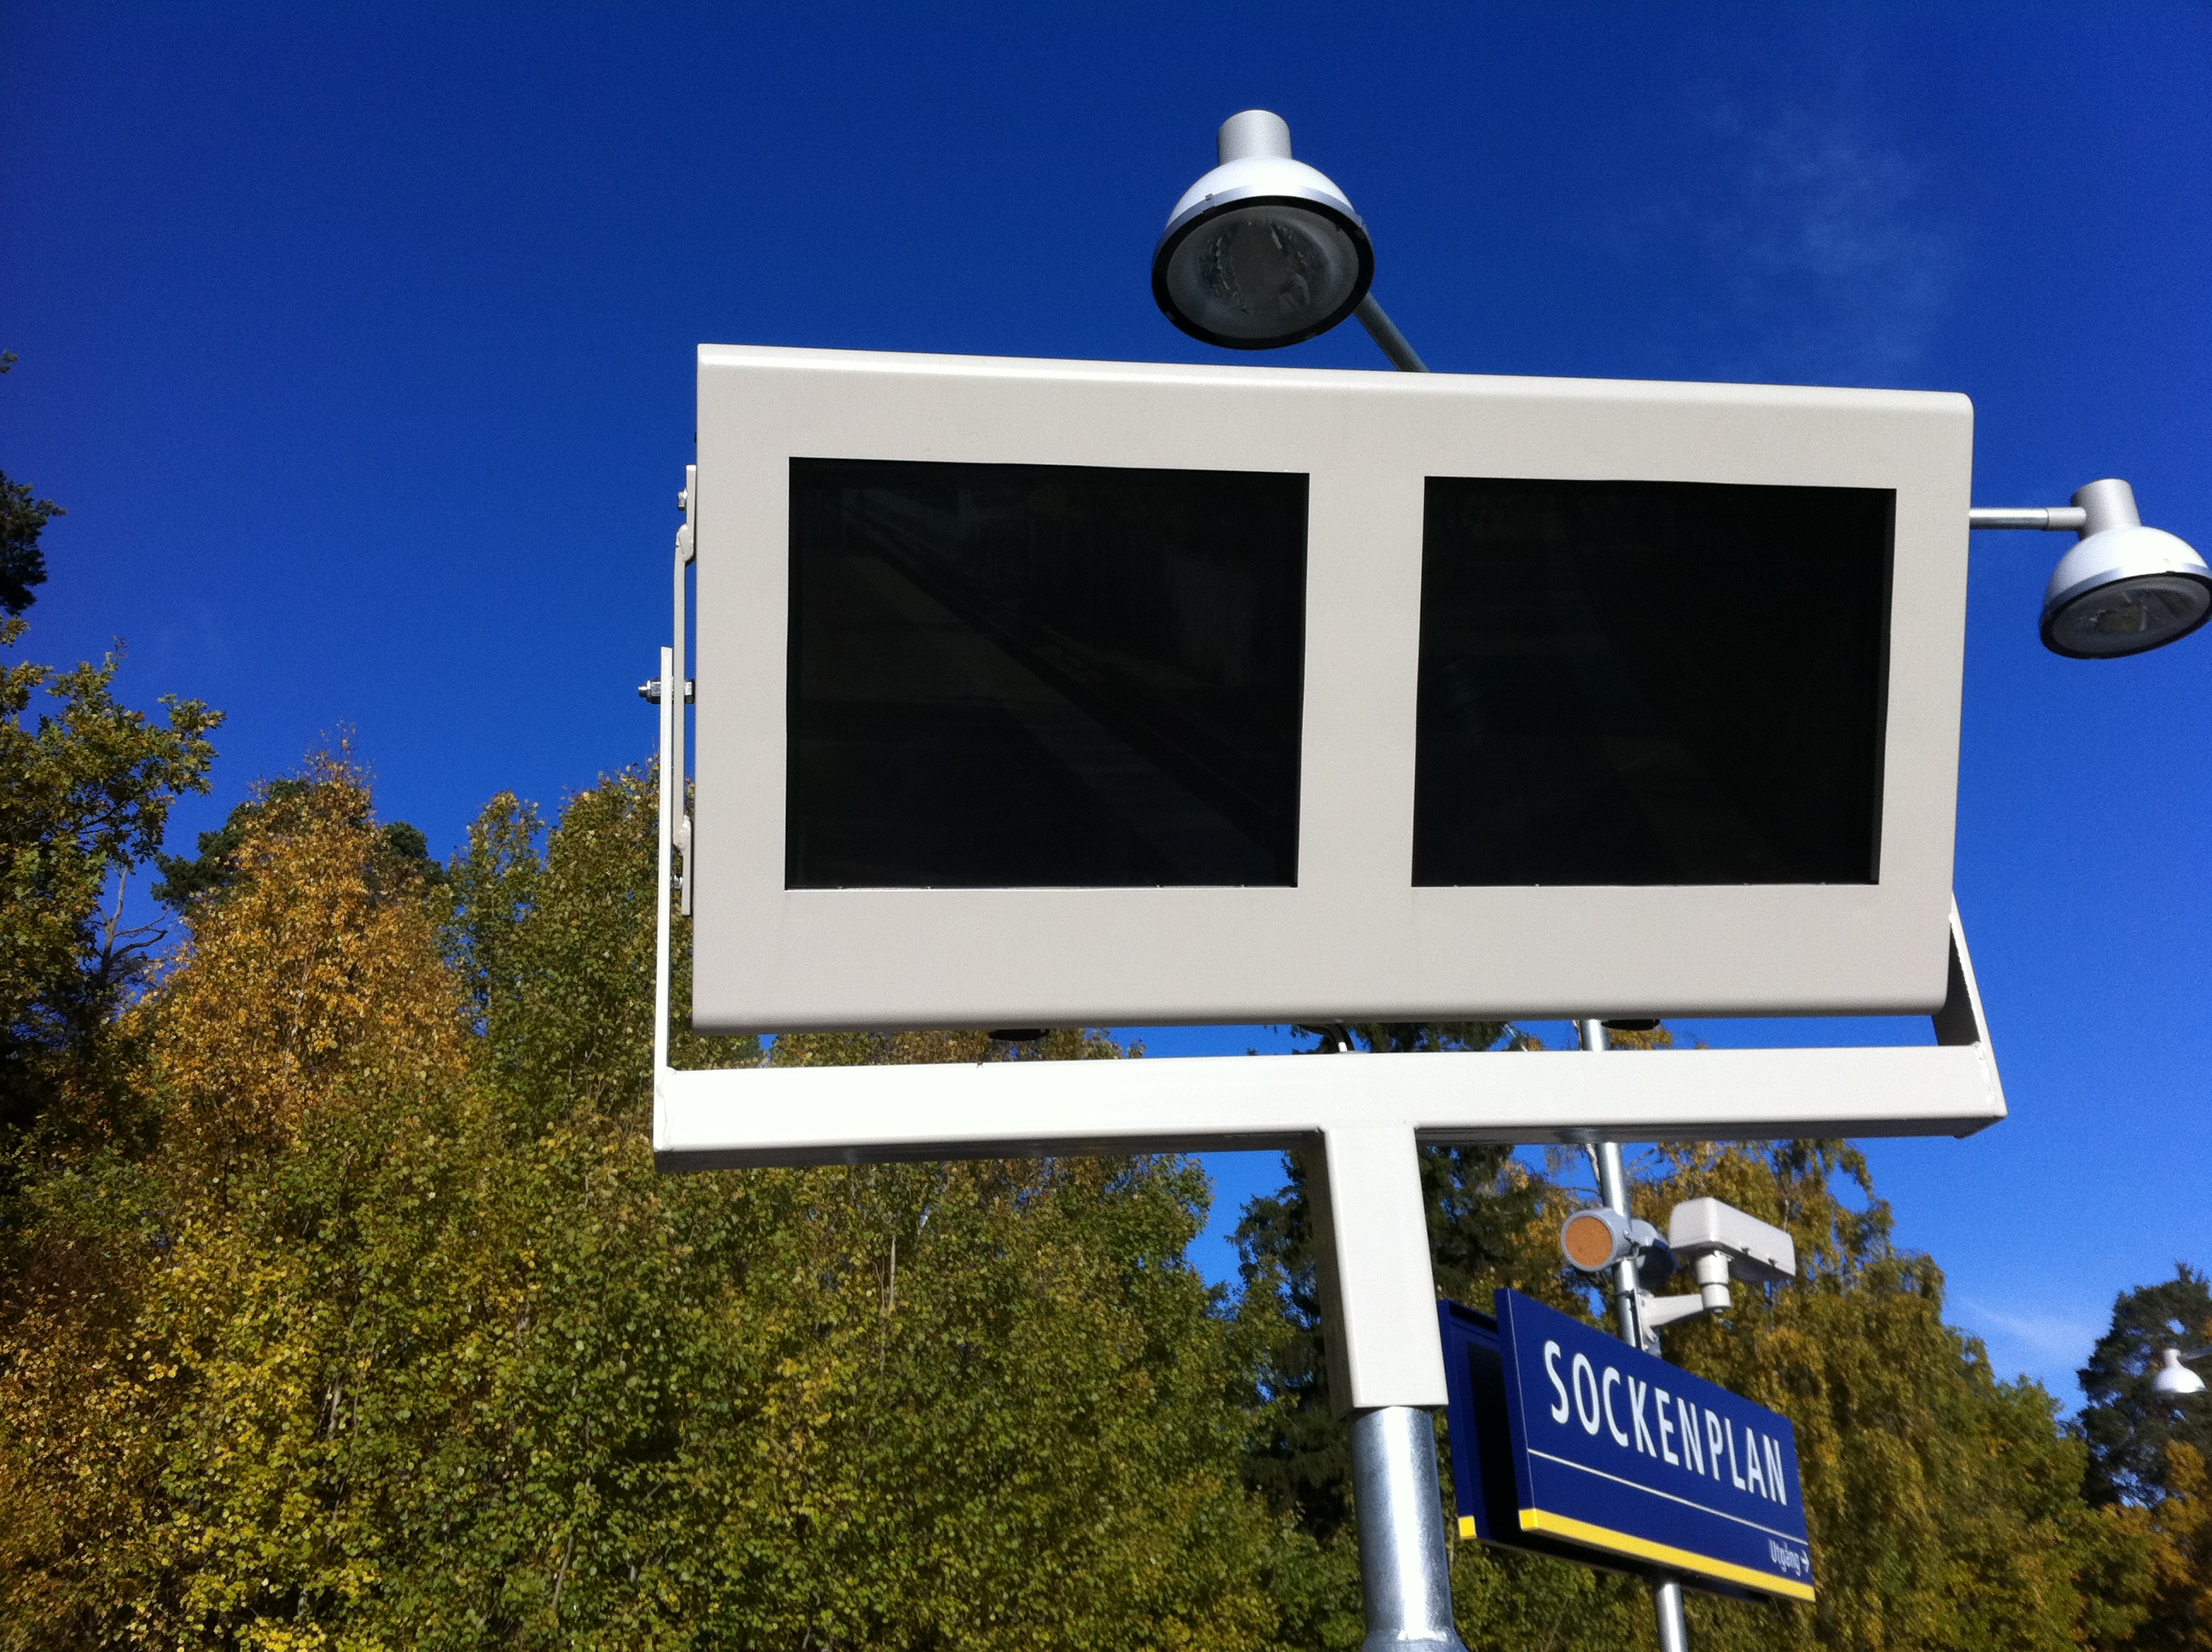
[1346, 931]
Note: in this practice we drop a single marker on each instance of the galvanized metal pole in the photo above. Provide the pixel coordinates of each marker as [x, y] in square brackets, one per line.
[1673, 1626]
[1405, 1570]
[1613, 1191]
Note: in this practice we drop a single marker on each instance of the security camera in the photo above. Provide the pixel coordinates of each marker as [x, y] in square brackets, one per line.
[1722, 1244]
[1719, 1241]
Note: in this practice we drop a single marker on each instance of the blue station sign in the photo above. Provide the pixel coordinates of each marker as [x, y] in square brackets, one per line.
[1571, 1442]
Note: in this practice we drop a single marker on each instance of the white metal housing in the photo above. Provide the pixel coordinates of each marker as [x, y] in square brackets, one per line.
[1353, 938]
[1758, 1252]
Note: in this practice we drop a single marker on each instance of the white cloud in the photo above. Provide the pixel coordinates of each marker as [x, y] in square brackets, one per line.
[2049, 1347]
[1824, 259]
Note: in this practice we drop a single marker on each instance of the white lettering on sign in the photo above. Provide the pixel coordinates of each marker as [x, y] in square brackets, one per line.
[1693, 1452]
[1611, 1423]
[1586, 1412]
[1659, 1421]
[1637, 1393]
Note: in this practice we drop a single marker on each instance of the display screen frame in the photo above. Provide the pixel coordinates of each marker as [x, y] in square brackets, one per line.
[1354, 937]
[1084, 677]
[1687, 682]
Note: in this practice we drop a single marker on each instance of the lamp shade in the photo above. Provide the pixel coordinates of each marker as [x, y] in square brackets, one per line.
[2124, 588]
[1263, 250]
[2174, 1377]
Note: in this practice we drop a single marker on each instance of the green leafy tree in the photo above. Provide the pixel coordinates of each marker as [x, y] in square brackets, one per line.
[85, 793]
[23, 518]
[2148, 1452]
[2178, 1530]
[401, 852]
[2128, 1426]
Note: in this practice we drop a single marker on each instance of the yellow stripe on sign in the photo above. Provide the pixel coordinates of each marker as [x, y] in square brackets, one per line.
[1600, 1536]
[1466, 1525]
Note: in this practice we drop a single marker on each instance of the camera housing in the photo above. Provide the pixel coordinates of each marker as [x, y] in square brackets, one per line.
[1756, 1251]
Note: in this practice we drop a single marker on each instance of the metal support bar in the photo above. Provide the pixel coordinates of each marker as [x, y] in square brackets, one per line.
[2070, 519]
[1386, 1374]
[1673, 1626]
[677, 828]
[1384, 331]
[710, 1119]
[672, 715]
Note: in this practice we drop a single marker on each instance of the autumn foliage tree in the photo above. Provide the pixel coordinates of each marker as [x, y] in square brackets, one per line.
[2149, 1451]
[377, 1325]
[398, 1339]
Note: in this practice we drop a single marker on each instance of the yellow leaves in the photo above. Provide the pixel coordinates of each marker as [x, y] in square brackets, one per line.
[2178, 1533]
[306, 978]
[925, 1048]
[416, 1348]
[1945, 1506]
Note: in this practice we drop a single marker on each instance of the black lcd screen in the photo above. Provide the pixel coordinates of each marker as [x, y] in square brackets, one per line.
[1008, 676]
[1649, 682]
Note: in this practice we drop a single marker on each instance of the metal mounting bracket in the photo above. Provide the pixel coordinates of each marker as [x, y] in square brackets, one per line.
[1367, 1114]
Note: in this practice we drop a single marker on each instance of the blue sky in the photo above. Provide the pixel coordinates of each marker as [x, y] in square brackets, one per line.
[358, 345]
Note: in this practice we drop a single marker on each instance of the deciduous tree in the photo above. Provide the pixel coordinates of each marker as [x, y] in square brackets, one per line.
[86, 787]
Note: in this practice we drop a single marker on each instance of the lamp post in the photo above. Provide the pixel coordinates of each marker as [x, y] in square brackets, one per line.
[1265, 251]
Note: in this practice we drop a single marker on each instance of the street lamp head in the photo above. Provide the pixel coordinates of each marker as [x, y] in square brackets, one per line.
[2124, 588]
[1263, 250]
[2173, 1378]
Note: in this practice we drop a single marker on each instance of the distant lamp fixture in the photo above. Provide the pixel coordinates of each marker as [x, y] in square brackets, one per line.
[2175, 1378]
[2124, 588]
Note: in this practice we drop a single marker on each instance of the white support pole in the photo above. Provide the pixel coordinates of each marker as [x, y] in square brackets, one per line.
[1379, 1295]
[1386, 1375]
[676, 826]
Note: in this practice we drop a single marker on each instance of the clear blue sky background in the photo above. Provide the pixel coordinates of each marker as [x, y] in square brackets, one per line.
[358, 342]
